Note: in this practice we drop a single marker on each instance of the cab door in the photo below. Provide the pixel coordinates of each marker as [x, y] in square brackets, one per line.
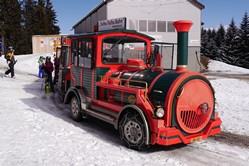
[64, 70]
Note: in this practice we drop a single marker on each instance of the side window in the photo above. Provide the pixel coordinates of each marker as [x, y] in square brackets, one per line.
[75, 52]
[86, 49]
[161, 26]
[151, 26]
[64, 58]
[143, 25]
[171, 27]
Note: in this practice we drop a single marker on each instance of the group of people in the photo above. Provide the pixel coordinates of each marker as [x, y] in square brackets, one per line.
[47, 68]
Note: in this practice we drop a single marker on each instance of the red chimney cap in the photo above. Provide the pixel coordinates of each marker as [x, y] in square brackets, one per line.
[183, 25]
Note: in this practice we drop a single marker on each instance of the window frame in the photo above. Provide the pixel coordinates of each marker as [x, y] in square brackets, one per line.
[154, 25]
[123, 49]
[170, 27]
[141, 28]
[165, 26]
[79, 59]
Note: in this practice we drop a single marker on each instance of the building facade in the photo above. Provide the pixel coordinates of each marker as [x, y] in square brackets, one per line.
[45, 43]
[154, 18]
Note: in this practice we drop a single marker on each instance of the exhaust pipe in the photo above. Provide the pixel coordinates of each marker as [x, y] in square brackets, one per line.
[182, 28]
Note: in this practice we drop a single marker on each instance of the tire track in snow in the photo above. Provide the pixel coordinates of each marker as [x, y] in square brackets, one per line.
[232, 139]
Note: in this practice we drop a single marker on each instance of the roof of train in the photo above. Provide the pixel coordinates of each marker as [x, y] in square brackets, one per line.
[110, 31]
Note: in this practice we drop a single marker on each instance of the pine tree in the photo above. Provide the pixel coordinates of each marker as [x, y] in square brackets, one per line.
[51, 18]
[41, 24]
[30, 22]
[2, 32]
[210, 49]
[20, 19]
[204, 40]
[11, 18]
[220, 43]
[243, 39]
[231, 44]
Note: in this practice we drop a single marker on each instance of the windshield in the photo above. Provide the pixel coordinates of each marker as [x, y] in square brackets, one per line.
[116, 50]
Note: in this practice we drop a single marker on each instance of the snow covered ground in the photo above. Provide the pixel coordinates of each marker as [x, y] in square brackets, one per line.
[232, 96]
[36, 128]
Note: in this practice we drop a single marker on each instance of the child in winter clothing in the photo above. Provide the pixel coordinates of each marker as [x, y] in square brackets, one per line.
[11, 61]
[49, 68]
[40, 62]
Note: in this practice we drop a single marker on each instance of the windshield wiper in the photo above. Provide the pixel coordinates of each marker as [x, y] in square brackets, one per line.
[105, 53]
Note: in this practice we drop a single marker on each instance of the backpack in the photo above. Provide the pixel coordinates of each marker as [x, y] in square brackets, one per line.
[7, 57]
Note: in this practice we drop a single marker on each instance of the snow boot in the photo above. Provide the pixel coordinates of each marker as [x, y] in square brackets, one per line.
[47, 87]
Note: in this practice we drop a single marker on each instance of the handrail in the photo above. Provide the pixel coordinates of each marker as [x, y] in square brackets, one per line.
[128, 83]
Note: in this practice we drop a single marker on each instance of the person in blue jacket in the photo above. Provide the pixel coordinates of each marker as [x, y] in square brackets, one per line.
[40, 62]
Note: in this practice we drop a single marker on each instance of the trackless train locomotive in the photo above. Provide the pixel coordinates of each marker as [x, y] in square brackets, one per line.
[116, 76]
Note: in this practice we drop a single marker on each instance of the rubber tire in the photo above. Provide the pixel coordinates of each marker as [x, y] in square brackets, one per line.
[76, 110]
[133, 119]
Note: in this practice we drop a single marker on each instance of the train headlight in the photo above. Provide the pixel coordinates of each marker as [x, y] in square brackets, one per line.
[159, 112]
[216, 105]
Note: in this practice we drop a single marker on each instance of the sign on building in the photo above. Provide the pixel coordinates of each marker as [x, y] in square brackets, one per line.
[116, 23]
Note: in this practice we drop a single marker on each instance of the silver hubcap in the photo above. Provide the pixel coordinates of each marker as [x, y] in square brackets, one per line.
[133, 132]
[74, 107]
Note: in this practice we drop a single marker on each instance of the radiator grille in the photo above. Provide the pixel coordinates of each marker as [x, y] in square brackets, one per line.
[192, 120]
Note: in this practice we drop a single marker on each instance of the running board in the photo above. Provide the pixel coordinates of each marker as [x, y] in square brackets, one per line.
[101, 116]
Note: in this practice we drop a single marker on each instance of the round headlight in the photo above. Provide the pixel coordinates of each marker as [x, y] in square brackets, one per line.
[216, 105]
[159, 112]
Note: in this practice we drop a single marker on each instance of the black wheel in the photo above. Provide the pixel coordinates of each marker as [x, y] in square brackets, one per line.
[76, 110]
[132, 131]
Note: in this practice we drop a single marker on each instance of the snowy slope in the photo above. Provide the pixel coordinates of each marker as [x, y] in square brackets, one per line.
[36, 128]
[231, 84]
[216, 66]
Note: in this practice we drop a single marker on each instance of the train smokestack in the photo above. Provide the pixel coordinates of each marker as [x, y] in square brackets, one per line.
[182, 27]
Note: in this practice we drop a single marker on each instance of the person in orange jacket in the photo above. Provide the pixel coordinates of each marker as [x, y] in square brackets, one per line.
[10, 58]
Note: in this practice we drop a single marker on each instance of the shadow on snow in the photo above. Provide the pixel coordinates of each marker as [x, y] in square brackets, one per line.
[52, 104]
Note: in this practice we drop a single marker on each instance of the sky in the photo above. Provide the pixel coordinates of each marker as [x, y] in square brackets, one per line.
[70, 12]
[216, 12]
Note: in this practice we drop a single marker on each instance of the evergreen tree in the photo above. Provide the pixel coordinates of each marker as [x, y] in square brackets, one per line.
[30, 22]
[41, 24]
[220, 43]
[231, 44]
[11, 18]
[51, 19]
[204, 40]
[21, 19]
[243, 39]
[2, 32]
[210, 49]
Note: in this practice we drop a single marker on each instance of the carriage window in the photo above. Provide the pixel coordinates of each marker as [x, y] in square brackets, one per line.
[64, 56]
[75, 52]
[116, 50]
[82, 52]
[86, 50]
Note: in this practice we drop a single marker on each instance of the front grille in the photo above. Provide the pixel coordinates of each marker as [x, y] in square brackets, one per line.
[192, 120]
